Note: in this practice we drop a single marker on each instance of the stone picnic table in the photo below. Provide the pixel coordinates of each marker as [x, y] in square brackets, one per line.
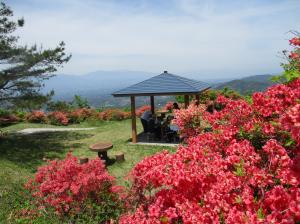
[101, 148]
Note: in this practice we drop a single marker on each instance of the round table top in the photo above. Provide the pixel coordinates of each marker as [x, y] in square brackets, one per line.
[162, 111]
[101, 146]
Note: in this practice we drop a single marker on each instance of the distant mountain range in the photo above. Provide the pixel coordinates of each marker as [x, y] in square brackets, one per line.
[97, 86]
[244, 86]
[101, 81]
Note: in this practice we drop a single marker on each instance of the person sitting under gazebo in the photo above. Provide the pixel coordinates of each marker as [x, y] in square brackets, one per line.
[175, 106]
[146, 116]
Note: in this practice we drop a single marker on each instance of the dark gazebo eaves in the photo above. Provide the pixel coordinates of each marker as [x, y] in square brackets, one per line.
[160, 94]
[162, 85]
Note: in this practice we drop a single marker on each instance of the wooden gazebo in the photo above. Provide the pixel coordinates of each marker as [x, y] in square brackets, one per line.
[165, 84]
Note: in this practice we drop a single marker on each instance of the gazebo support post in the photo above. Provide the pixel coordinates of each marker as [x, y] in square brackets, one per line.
[197, 99]
[152, 104]
[186, 101]
[133, 120]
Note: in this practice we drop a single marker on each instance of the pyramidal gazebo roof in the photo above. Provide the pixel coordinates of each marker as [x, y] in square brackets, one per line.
[164, 84]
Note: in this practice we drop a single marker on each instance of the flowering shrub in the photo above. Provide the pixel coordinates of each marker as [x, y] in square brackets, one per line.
[76, 116]
[141, 110]
[71, 189]
[169, 106]
[241, 171]
[291, 122]
[80, 115]
[36, 117]
[58, 118]
[292, 68]
[6, 117]
[276, 99]
[188, 120]
[113, 114]
[240, 164]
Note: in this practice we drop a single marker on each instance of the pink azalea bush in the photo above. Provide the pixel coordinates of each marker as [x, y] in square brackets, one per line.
[141, 110]
[70, 188]
[58, 118]
[240, 171]
[169, 106]
[240, 164]
[36, 117]
[76, 116]
[113, 114]
[80, 115]
[9, 119]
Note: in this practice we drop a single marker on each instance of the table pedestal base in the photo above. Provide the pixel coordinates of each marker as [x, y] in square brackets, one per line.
[103, 156]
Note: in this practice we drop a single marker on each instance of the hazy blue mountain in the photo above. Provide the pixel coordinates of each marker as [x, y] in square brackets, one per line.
[248, 84]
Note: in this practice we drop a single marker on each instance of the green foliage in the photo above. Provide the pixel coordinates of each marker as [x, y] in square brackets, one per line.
[110, 208]
[230, 93]
[212, 94]
[256, 137]
[79, 102]
[260, 213]
[24, 67]
[179, 99]
[20, 114]
[59, 106]
[4, 112]
[127, 109]
[31, 101]
[292, 67]
[239, 169]
[287, 76]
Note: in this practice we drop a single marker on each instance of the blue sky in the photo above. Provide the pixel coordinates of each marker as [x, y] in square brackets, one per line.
[213, 39]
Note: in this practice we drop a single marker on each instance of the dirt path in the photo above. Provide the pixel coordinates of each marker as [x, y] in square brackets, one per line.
[41, 130]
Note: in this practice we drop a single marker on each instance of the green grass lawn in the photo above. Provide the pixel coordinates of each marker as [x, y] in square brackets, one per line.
[20, 155]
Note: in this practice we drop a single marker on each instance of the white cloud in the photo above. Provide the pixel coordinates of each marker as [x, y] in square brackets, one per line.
[191, 36]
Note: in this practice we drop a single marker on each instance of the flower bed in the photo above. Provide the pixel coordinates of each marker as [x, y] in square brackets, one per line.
[113, 114]
[71, 117]
[240, 163]
[141, 110]
[37, 117]
[58, 118]
[245, 169]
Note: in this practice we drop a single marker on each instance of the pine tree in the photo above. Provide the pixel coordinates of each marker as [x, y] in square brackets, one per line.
[24, 68]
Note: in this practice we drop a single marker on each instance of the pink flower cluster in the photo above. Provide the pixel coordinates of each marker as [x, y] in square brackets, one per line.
[36, 117]
[77, 116]
[65, 185]
[58, 118]
[291, 122]
[295, 41]
[189, 120]
[239, 165]
[295, 54]
[141, 110]
[277, 99]
[81, 114]
[169, 106]
[113, 114]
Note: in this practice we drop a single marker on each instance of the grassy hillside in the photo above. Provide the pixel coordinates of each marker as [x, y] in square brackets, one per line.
[21, 155]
